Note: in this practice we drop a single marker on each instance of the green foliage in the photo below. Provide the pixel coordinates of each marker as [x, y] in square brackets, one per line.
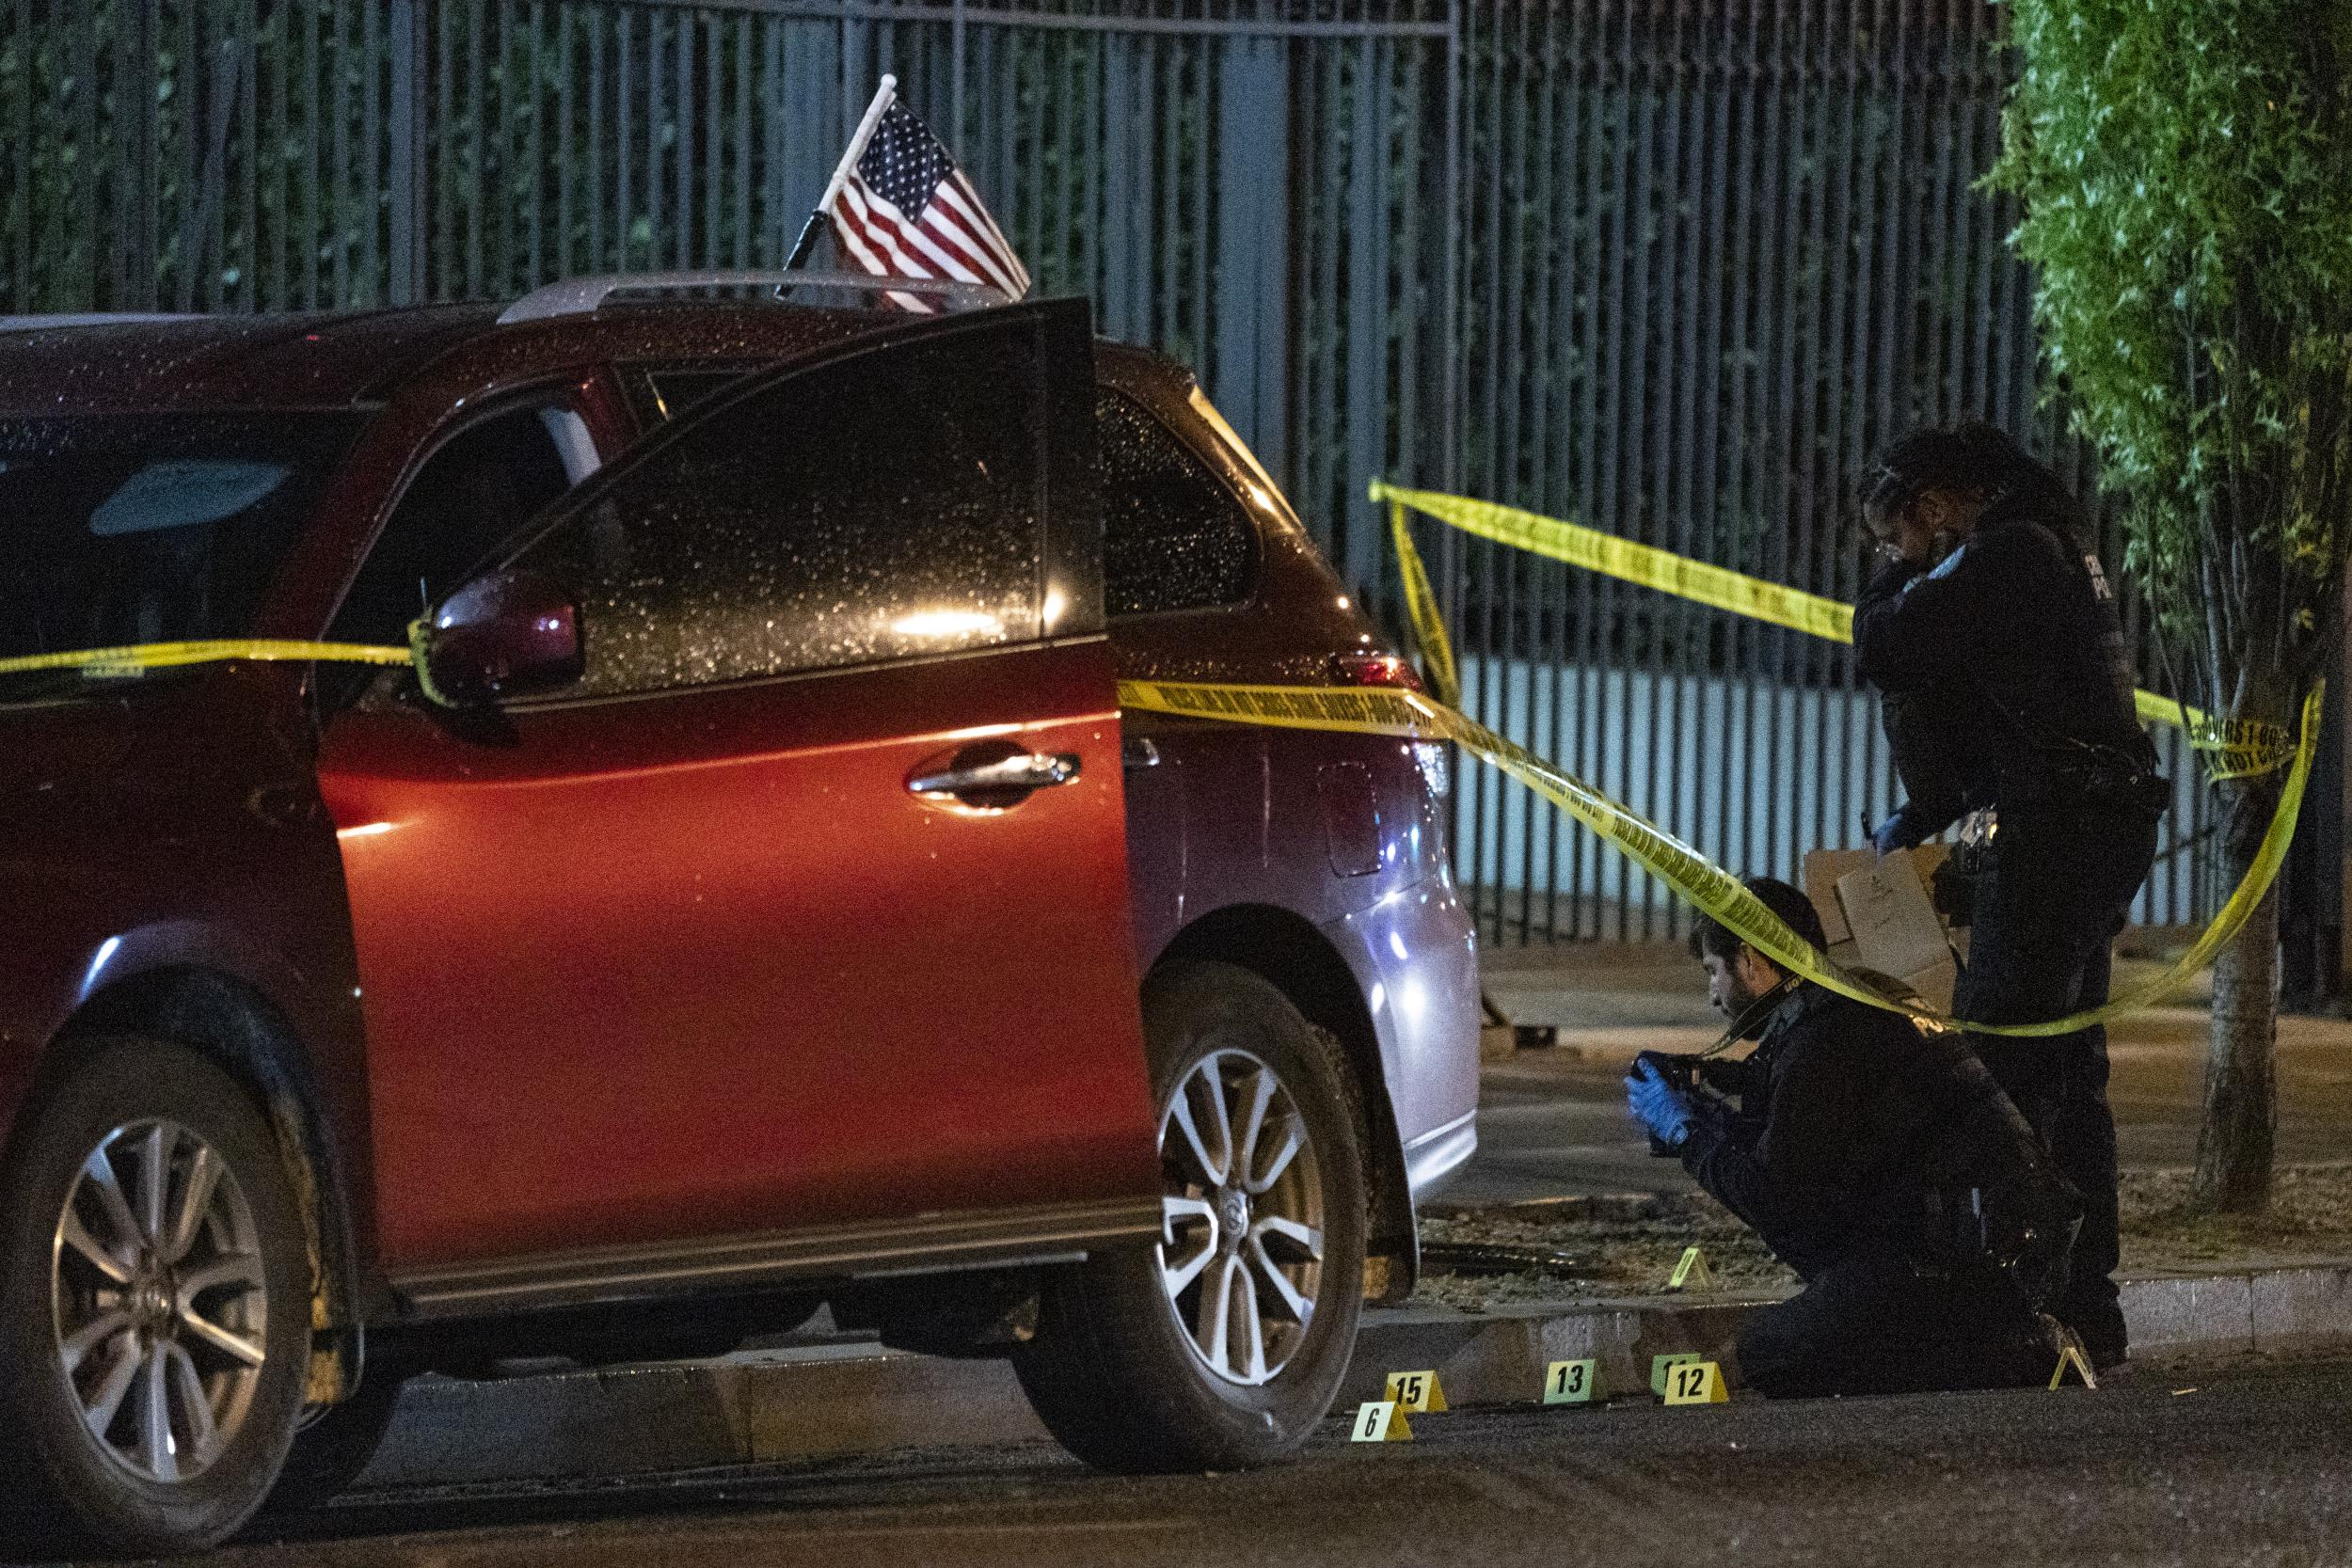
[2185, 167]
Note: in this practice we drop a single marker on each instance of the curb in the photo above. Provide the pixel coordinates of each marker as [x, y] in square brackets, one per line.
[830, 1402]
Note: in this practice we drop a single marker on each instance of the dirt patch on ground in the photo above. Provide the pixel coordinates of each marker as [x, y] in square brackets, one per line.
[1613, 1248]
[2310, 1216]
[1629, 1245]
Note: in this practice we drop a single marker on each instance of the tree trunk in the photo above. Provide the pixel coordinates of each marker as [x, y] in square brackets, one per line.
[2233, 1147]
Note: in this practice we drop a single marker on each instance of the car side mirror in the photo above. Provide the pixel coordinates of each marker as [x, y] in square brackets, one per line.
[499, 636]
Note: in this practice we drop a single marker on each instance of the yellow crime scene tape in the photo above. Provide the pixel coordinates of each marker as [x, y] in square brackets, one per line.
[137, 658]
[2241, 748]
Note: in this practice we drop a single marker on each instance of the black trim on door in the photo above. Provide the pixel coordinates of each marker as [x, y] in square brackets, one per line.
[925, 1244]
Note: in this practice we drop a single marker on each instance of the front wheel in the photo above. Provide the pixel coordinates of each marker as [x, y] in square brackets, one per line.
[1223, 1344]
[154, 1304]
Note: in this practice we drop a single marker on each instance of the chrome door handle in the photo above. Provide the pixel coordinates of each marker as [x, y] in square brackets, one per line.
[1024, 771]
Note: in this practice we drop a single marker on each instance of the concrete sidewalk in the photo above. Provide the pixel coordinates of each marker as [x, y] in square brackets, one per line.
[818, 1403]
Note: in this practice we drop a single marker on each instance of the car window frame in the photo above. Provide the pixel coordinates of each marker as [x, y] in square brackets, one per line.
[459, 424]
[1226, 474]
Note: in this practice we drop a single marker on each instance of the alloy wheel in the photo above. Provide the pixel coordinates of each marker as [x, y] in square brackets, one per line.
[1242, 1217]
[159, 1300]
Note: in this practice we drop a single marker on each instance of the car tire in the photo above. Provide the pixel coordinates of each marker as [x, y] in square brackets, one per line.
[330, 1453]
[1129, 1369]
[109, 1315]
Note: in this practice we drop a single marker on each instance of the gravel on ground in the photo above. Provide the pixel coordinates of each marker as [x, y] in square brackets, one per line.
[1618, 1245]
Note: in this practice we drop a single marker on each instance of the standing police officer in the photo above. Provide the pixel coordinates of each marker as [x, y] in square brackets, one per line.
[1884, 1165]
[1993, 626]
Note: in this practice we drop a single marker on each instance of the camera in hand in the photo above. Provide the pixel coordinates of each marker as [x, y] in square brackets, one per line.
[1678, 1069]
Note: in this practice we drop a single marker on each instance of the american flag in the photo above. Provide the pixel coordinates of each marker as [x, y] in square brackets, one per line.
[906, 211]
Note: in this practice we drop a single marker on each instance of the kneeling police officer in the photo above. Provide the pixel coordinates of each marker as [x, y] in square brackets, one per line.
[1882, 1164]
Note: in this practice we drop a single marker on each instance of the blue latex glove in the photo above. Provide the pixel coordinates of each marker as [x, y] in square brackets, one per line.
[1658, 1105]
[1898, 832]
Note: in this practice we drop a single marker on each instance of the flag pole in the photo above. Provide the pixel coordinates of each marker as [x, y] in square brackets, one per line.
[874, 111]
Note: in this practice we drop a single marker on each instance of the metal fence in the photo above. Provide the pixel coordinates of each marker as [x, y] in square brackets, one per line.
[1672, 267]
[1717, 255]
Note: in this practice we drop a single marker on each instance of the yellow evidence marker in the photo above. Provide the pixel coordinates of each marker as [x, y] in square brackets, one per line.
[2073, 1356]
[1380, 1422]
[1418, 1392]
[1696, 1383]
[1692, 1272]
[1659, 1365]
[1571, 1382]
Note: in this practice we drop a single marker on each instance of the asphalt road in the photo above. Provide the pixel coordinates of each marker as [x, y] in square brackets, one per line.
[1554, 1121]
[2253, 1466]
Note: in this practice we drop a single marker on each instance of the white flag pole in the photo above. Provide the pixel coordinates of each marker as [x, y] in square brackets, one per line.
[883, 99]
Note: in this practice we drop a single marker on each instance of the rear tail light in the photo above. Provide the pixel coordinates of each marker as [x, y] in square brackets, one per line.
[1390, 669]
[1374, 670]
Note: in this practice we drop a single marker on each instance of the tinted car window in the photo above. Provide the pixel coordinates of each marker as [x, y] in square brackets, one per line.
[1173, 538]
[473, 494]
[149, 528]
[886, 507]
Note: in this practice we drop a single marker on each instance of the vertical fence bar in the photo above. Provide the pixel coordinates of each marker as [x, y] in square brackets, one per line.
[144, 179]
[594, 160]
[708, 121]
[1587, 105]
[536, 225]
[1678, 694]
[1539, 52]
[266, 213]
[1643, 456]
[1474, 563]
[745, 142]
[17, 205]
[342, 196]
[1715, 292]
[1507, 277]
[646, 247]
[1776, 291]
[1613, 311]
[687, 116]
[511, 198]
[1810, 310]
[82, 269]
[250, 213]
[1555, 330]
[1369, 229]
[624, 111]
[1835, 372]
[444, 273]
[1453, 377]
[780, 217]
[372, 263]
[1322, 432]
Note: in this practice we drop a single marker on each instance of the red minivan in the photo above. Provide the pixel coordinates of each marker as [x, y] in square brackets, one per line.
[750, 897]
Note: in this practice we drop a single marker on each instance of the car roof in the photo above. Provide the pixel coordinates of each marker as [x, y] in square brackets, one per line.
[340, 359]
[206, 362]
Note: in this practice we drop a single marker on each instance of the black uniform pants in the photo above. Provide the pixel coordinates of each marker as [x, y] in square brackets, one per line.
[1873, 1326]
[2060, 887]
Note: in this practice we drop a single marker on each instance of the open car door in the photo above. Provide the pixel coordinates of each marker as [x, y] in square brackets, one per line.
[791, 935]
